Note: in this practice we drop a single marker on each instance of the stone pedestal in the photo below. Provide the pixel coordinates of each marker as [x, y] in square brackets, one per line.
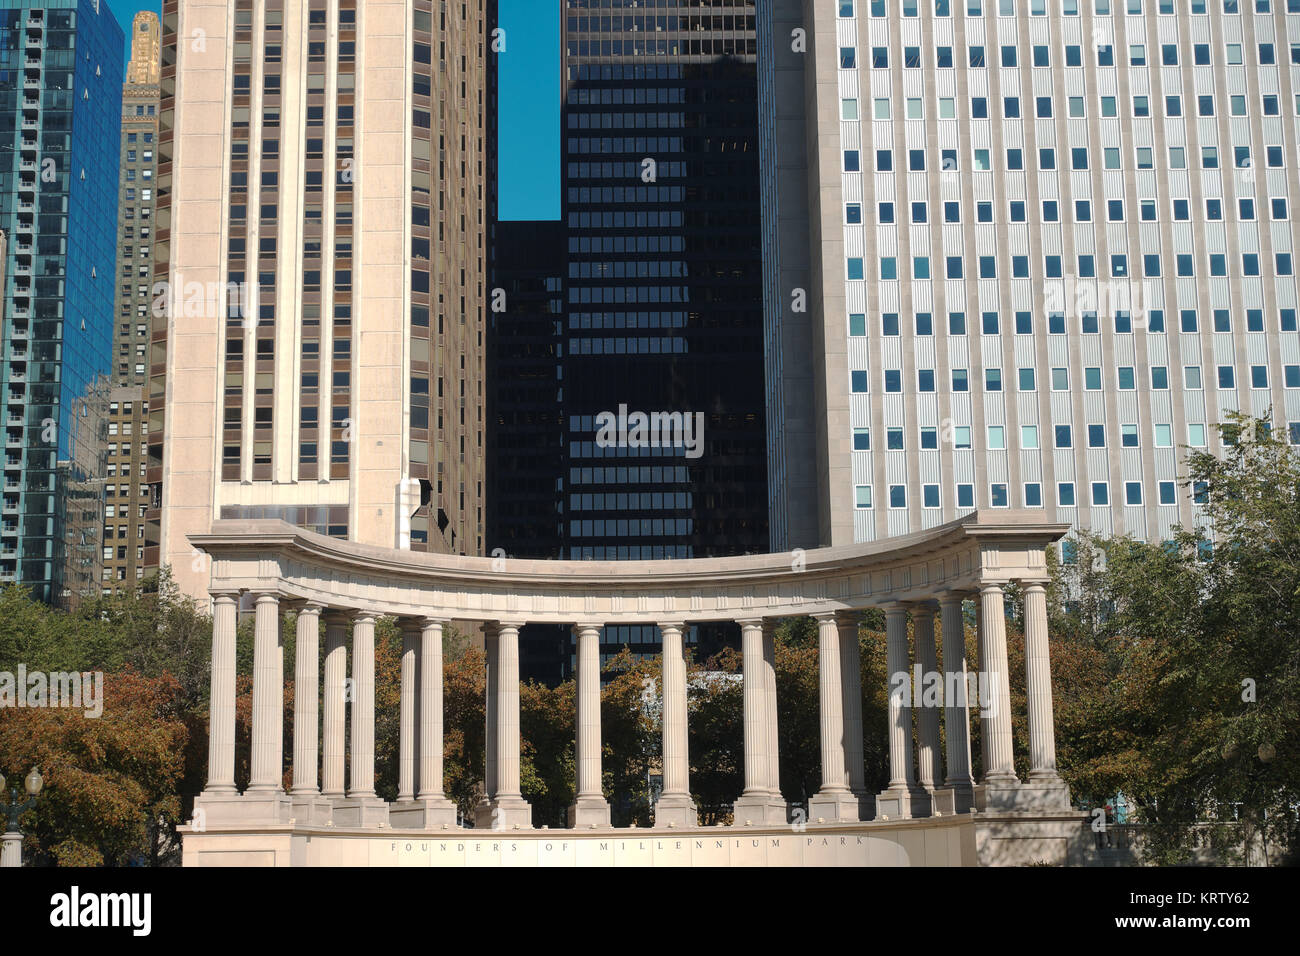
[842, 806]
[512, 813]
[943, 802]
[364, 812]
[588, 812]
[311, 809]
[1031, 796]
[483, 814]
[11, 852]
[902, 803]
[760, 809]
[676, 810]
[422, 814]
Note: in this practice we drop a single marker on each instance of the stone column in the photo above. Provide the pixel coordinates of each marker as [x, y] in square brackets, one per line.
[511, 810]
[335, 707]
[770, 710]
[757, 804]
[428, 808]
[833, 801]
[308, 804]
[956, 702]
[11, 849]
[483, 816]
[306, 703]
[928, 761]
[221, 708]
[589, 808]
[406, 713]
[362, 808]
[268, 698]
[902, 799]
[675, 808]
[995, 718]
[1045, 786]
[851, 681]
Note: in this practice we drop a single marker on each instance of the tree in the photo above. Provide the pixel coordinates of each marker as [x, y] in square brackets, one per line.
[1199, 638]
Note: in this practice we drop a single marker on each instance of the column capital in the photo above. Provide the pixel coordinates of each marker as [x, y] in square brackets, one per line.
[750, 622]
[431, 621]
[953, 596]
[505, 624]
[364, 617]
[988, 587]
[311, 607]
[826, 617]
[679, 626]
[895, 608]
[849, 618]
[261, 597]
[581, 626]
[923, 609]
[336, 615]
[1033, 585]
[225, 594]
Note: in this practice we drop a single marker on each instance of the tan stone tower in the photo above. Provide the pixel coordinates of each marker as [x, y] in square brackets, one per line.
[125, 490]
[324, 229]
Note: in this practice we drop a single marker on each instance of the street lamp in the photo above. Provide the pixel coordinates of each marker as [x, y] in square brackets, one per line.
[12, 852]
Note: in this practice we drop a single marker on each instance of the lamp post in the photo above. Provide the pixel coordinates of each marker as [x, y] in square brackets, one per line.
[12, 852]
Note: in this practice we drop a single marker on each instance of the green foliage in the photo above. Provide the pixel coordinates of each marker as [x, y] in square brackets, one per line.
[1193, 713]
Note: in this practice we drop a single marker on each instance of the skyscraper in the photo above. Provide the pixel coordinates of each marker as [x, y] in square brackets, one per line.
[320, 198]
[645, 299]
[125, 487]
[60, 104]
[1052, 245]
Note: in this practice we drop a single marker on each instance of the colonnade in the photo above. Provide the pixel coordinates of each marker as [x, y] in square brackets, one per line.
[931, 780]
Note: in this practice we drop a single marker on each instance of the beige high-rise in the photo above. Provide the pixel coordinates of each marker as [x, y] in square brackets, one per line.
[321, 216]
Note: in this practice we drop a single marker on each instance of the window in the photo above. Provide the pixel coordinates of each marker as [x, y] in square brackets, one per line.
[1028, 436]
[897, 496]
[1062, 436]
[1100, 494]
[997, 437]
[1128, 436]
[998, 497]
[861, 439]
[1096, 436]
[862, 496]
[930, 496]
[1168, 493]
[857, 324]
[1196, 435]
[965, 496]
[1065, 494]
[1164, 436]
[1060, 379]
[1132, 492]
[859, 381]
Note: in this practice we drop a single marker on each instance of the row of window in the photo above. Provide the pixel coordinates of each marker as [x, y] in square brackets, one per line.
[916, 159]
[959, 436]
[1152, 267]
[1031, 495]
[1076, 107]
[1016, 211]
[1071, 295]
[1007, 56]
[1026, 379]
[876, 9]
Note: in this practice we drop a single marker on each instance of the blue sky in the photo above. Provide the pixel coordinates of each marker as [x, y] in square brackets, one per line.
[528, 124]
[528, 120]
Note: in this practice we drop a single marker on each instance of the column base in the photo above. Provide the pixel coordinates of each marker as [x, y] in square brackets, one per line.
[365, 812]
[483, 814]
[1046, 793]
[12, 852]
[589, 812]
[254, 806]
[902, 803]
[311, 809]
[512, 813]
[759, 809]
[428, 813]
[676, 810]
[963, 796]
[216, 806]
[834, 806]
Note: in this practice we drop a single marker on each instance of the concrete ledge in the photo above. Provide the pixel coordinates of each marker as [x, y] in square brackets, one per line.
[964, 840]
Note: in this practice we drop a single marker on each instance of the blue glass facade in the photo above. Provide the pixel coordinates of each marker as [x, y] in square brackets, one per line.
[60, 113]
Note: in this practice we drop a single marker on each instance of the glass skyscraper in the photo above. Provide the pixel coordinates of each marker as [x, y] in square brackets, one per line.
[660, 307]
[60, 107]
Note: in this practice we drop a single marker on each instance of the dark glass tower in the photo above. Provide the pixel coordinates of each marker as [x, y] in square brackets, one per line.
[654, 305]
[60, 112]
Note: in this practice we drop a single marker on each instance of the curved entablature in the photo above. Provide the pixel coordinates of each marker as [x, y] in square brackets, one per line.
[961, 556]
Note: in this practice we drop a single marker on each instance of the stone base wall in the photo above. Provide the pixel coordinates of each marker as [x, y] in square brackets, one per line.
[975, 839]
